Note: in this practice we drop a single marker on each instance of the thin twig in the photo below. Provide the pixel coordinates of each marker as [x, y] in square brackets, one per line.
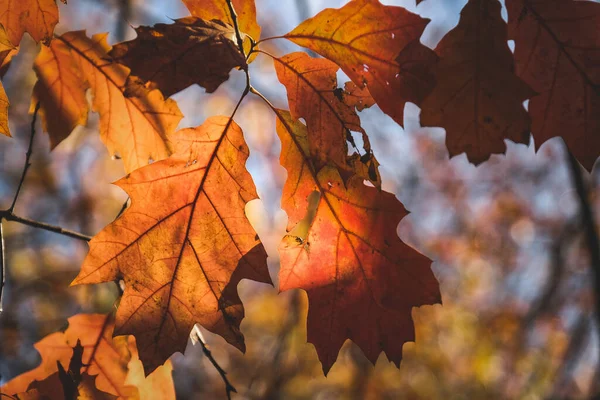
[9, 216]
[588, 222]
[229, 388]
[27, 157]
[2, 264]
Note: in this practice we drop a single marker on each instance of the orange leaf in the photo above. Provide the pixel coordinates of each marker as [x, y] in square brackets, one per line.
[38, 17]
[184, 244]
[364, 38]
[134, 128]
[218, 9]
[110, 360]
[362, 280]
[311, 85]
[478, 98]
[557, 52]
[175, 56]
[6, 50]
[60, 88]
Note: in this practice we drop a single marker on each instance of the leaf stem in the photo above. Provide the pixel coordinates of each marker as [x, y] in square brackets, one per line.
[27, 157]
[588, 222]
[269, 38]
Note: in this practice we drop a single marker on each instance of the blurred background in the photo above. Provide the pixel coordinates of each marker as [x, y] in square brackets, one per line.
[506, 243]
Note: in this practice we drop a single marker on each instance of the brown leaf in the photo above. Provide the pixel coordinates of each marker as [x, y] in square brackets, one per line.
[172, 57]
[218, 9]
[135, 129]
[311, 85]
[37, 17]
[364, 38]
[110, 360]
[362, 280]
[55, 388]
[183, 244]
[478, 98]
[557, 52]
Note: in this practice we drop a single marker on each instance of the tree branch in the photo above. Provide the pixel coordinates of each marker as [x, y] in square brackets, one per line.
[238, 35]
[2, 264]
[27, 157]
[589, 226]
[10, 216]
[197, 337]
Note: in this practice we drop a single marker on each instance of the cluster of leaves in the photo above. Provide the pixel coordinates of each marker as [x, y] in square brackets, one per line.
[185, 242]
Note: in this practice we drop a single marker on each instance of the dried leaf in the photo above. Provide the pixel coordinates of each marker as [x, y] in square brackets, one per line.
[54, 387]
[557, 52]
[60, 88]
[356, 97]
[478, 98]
[364, 38]
[135, 129]
[183, 244]
[4, 112]
[311, 85]
[37, 17]
[174, 56]
[112, 361]
[362, 280]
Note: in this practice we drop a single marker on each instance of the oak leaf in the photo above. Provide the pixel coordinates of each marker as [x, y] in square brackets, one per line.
[134, 128]
[59, 386]
[172, 57]
[478, 98]
[311, 85]
[557, 52]
[218, 9]
[61, 89]
[364, 38]
[362, 280]
[111, 361]
[37, 17]
[183, 244]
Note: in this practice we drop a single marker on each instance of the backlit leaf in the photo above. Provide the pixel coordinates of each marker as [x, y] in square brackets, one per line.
[174, 56]
[6, 49]
[311, 85]
[111, 361]
[364, 38]
[60, 88]
[183, 244]
[37, 17]
[557, 52]
[478, 98]
[134, 128]
[362, 280]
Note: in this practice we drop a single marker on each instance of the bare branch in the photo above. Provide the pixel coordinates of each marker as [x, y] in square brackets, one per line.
[229, 388]
[9, 216]
[2, 264]
[27, 157]
[589, 226]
